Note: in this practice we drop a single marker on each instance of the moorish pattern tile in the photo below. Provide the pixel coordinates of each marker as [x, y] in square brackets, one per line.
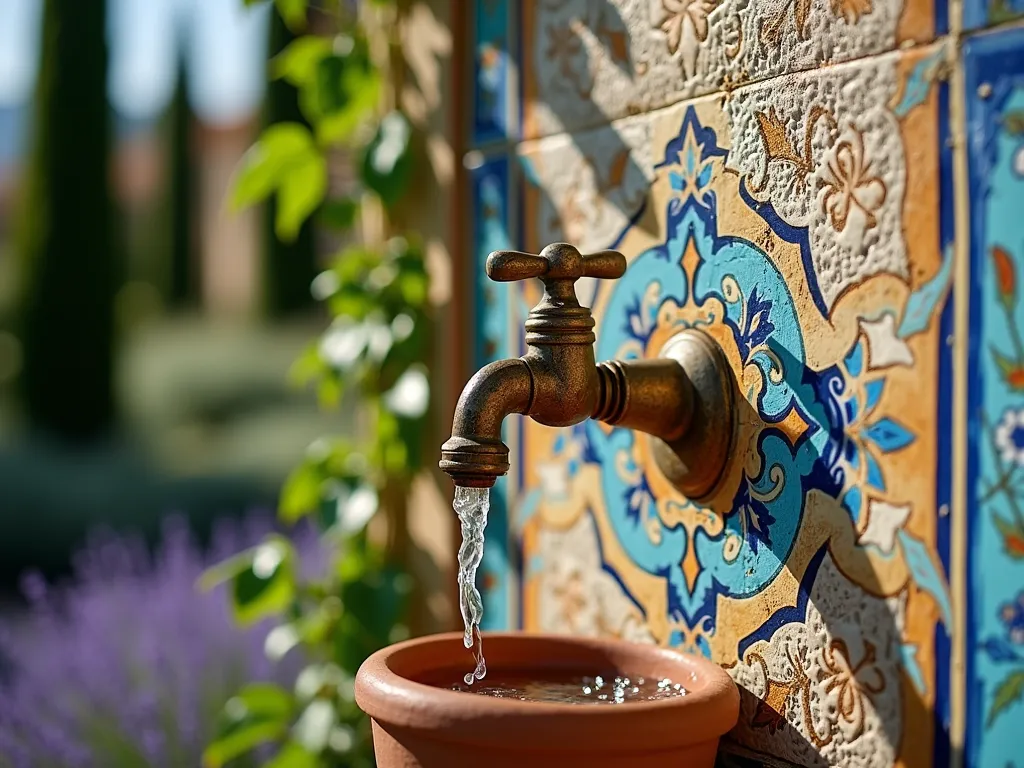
[788, 175]
[995, 538]
[780, 223]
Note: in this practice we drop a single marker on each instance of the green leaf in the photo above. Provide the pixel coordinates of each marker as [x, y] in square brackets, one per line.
[1006, 365]
[302, 492]
[330, 390]
[285, 159]
[293, 755]
[260, 712]
[414, 287]
[352, 567]
[341, 90]
[363, 90]
[280, 147]
[1013, 537]
[298, 62]
[268, 700]
[301, 191]
[308, 367]
[387, 162]
[1008, 693]
[293, 12]
[260, 594]
[262, 579]
[339, 214]
[375, 601]
[331, 93]
[237, 743]
[352, 300]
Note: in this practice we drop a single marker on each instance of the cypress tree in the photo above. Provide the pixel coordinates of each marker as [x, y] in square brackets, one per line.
[183, 288]
[66, 242]
[288, 268]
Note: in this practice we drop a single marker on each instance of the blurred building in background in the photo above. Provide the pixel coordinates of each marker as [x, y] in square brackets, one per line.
[206, 422]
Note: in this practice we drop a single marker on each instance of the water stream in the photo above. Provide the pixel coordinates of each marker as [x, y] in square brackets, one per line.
[472, 505]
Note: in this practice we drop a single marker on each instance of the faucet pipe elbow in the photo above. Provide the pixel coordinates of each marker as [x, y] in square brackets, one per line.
[475, 455]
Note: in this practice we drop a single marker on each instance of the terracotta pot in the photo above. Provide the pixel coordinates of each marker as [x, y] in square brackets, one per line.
[417, 725]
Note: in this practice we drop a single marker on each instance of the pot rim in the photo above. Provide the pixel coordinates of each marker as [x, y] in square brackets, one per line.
[708, 710]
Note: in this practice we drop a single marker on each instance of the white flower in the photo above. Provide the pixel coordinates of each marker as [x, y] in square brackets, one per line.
[1010, 437]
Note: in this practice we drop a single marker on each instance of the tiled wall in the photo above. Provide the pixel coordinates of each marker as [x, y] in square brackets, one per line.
[834, 190]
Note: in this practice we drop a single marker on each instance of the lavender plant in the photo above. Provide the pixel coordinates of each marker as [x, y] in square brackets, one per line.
[127, 665]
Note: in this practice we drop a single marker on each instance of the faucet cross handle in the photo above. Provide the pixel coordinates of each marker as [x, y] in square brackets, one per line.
[557, 262]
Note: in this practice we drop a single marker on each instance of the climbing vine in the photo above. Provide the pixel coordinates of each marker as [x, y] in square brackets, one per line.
[373, 353]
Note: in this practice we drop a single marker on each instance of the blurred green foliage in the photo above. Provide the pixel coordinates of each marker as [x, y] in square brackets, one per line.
[376, 346]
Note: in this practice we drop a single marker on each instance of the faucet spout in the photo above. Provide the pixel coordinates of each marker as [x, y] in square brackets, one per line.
[475, 456]
[683, 400]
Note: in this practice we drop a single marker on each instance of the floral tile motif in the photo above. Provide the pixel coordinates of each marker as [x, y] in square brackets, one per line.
[586, 62]
[795, 225]
[994, 65]
[829, 697]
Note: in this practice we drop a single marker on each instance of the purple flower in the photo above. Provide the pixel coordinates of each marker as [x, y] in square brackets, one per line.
[129, 664]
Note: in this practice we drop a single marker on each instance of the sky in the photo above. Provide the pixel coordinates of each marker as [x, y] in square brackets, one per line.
[224, 44]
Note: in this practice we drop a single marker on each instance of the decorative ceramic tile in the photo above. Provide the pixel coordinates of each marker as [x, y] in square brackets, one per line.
[590, 61]
[796, 222]
[995, 622]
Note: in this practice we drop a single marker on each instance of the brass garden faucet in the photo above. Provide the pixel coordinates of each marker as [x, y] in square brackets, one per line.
[684, 400]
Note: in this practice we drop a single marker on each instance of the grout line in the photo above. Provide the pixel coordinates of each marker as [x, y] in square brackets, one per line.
[961, 332]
